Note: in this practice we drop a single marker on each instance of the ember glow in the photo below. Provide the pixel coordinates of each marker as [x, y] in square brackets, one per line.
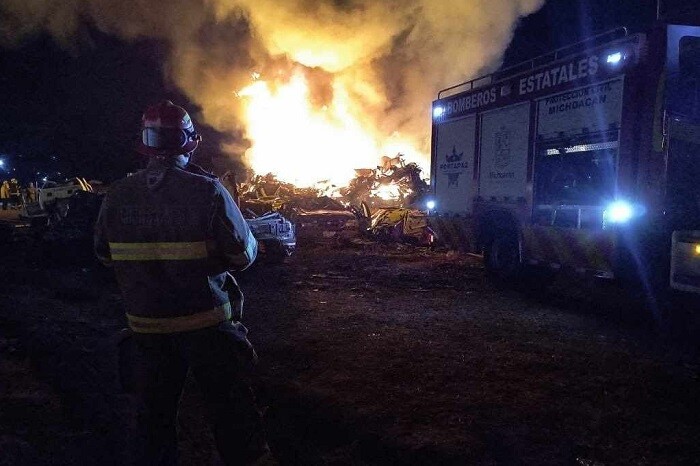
[306, 145]
[388, 192]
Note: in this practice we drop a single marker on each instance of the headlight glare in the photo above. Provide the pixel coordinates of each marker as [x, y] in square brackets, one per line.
[619, 212]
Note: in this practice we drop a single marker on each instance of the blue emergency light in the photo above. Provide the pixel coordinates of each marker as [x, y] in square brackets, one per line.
[614, 58]
[620, 212]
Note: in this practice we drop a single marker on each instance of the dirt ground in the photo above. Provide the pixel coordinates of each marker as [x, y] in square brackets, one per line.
[370, 354]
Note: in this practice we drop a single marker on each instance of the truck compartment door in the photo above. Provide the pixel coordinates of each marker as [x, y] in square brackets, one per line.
[454, 170]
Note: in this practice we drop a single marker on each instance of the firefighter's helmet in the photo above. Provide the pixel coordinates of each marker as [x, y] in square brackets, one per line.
[167, 130]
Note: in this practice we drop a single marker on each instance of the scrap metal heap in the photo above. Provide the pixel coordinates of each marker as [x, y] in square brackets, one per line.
[394, 183]
[379, 202]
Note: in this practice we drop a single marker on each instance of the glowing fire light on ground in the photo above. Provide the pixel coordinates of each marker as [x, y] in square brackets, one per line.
[304, 145]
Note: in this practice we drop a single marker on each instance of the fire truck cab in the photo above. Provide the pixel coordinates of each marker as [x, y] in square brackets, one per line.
[586, 159]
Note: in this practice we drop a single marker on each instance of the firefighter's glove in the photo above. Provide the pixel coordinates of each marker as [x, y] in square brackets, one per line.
[237, 334]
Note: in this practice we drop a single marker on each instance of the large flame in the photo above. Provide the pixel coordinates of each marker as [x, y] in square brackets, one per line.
[304, 144]
[380, 63]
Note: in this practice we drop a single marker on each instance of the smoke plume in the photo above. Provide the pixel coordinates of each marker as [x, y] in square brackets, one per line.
[391, 56]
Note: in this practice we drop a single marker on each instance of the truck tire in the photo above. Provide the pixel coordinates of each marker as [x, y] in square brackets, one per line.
[502, 256]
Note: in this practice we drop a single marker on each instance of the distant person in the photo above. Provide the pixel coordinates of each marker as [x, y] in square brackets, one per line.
[14, 192]
[172, 233]
[31, 193]
[5, 194]
[229, 182]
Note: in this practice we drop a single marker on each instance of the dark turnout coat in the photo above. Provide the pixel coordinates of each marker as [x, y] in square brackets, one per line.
[172, 235]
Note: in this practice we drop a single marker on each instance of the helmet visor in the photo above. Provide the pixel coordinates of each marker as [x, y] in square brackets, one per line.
[163, 138]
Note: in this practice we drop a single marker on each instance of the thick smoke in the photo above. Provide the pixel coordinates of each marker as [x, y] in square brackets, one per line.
[393, 55]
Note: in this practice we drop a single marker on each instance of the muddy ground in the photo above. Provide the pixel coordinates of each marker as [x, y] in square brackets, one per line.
[370, 354]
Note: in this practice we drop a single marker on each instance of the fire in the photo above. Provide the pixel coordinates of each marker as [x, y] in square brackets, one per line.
[304, 144]
[388, 192]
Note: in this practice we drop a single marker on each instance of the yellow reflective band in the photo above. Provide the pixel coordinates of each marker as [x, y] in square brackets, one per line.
[178, 324]
[158, 251]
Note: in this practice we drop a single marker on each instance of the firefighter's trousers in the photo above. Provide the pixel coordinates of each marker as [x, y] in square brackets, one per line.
[232, 413]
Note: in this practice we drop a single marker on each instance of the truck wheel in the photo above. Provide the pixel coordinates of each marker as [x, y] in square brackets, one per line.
[502, 256]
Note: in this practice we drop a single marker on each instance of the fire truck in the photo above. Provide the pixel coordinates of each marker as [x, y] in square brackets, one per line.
[585, 159]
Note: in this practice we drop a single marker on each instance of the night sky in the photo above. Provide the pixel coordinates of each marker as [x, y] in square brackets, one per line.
[77, 112]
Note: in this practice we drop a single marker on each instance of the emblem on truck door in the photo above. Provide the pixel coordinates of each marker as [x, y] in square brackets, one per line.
[454, 167]
[454, 157]
[502, 145]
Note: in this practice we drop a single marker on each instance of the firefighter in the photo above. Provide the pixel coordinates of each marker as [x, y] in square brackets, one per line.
[14, 193]
[172, 233]
[5, 194]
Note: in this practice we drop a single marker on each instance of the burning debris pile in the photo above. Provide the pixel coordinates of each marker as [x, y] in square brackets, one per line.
[266, 193]
[394, 183]
[377, 202]
[294, 82]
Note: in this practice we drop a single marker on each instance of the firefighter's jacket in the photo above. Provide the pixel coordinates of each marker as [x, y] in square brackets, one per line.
[172, 236]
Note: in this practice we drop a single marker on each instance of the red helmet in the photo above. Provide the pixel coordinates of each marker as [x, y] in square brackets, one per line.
[167, 129]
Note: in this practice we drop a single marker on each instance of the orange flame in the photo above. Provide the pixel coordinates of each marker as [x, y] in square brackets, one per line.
[304, 145]
[388, 192]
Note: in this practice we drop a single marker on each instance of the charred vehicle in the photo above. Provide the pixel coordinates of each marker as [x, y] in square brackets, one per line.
[275, 234]
[59, 192]
[401, 224]
[326, 223]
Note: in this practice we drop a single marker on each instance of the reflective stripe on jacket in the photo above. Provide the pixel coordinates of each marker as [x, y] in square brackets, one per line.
[195, 321]
[172, 236]
[158, 251]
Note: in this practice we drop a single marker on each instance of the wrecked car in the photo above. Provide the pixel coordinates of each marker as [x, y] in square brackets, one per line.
[400, 224]
[51, 191]
[275, 234]
[324, 223]
[67, 234]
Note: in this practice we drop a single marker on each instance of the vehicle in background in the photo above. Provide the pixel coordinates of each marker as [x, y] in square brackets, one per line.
[98, 187]
[326, 223]
[51, 191]
[275, 234]
[401, 224]
[70, 236]
[585, 159]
